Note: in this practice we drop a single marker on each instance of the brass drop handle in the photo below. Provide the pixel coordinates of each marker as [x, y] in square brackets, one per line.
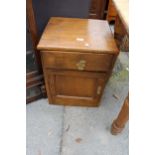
[81, 64]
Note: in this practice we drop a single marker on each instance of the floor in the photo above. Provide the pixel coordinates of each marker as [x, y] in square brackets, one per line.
[68, 130]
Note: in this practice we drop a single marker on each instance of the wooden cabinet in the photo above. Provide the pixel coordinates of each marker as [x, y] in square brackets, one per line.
[77, 57]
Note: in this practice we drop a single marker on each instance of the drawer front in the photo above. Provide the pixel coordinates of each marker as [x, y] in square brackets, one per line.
[77, 61]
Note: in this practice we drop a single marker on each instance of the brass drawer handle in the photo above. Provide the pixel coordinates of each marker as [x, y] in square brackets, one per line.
[81, 64]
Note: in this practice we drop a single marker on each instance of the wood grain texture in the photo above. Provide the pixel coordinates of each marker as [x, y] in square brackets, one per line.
[75, 74]
[122, 118]
[70, 60]
[75, 88]
[72, 34]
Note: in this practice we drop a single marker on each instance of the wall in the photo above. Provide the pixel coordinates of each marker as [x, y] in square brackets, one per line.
[44, 9]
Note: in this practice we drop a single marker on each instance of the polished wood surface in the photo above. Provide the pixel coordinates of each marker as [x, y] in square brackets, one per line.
[71, 34]
[72, 60]
[76, 74]
[123, 116]
[122, 7]
[75, 88]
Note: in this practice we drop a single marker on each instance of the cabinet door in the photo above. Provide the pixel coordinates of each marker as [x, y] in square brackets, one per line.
[74, 87]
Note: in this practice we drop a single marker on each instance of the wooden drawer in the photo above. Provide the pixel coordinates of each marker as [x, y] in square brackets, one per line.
[77, 61]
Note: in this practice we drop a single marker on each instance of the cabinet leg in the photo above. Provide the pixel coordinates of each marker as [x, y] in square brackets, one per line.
[123, 116]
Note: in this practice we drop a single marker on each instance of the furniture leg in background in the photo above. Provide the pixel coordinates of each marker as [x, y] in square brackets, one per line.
[121, 35]
[123, 116]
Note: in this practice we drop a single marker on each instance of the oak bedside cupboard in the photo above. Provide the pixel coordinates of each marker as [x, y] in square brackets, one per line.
[77, 57]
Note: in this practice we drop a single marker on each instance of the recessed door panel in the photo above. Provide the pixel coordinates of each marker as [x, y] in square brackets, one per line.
[75, 88]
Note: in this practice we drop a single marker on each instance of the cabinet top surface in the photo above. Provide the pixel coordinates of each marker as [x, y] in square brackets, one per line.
[74, 34]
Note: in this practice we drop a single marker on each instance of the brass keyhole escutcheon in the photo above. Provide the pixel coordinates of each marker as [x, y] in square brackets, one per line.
[99, 90]
[81, 64]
